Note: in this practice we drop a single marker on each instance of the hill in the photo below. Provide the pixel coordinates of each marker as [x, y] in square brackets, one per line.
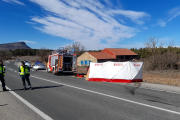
[14, 46]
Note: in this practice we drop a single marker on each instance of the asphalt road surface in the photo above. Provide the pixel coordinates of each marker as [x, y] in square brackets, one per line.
[68, 98]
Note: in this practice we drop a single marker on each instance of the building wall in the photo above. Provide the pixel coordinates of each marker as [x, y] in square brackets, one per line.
[85, 59]
[120, 58]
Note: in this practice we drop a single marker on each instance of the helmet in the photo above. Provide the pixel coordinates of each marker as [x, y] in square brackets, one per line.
[22, 62]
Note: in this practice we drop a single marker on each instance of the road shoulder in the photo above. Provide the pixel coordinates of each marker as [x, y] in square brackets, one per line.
[13, 109]
[152, 86]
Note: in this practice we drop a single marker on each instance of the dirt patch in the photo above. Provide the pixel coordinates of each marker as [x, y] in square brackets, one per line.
[167, 77]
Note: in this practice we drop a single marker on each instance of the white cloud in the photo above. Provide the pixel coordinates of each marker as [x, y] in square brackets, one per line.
[108, 2]
[144, 28]
[172, 14]
[133, 15]
[84, 20]
[30, 22]
[14, 1]
[162, 23]
[134, 45]
[26, 41]
[122, 21]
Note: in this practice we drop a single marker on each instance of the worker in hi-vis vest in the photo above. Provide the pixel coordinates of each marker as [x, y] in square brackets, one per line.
[25, 73]
[2, 74]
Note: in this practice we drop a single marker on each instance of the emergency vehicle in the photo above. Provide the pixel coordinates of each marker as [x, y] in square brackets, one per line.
[62, 61]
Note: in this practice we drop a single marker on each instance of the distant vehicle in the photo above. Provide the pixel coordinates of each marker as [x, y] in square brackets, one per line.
[28, 64]
[39, 66]
[37, 62]
[62, 61]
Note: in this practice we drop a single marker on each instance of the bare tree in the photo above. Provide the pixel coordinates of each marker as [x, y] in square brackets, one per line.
[78, 48]
[171, 43]
[158, 60]
[151, 45]
[161, 44]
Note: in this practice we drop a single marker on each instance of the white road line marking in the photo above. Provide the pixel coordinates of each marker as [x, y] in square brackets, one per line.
[39, 112]
[140, 87]
[162, 109]
[142, 104]
[36, 110]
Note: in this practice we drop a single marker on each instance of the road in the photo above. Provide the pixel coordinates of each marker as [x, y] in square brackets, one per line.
[68, 98]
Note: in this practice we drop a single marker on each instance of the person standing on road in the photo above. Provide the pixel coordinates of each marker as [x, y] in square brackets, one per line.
[25, 73]
[2, 74]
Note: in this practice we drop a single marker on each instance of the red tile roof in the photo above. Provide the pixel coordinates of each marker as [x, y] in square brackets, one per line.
[118, 51]
[110, 53]
[101, 55]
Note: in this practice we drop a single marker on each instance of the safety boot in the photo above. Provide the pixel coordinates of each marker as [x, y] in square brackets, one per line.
[30, 88]
[4, 89]
[24, 88]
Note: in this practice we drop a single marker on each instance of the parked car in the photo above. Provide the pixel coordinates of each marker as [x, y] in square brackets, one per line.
[39, 66]
[28, 64]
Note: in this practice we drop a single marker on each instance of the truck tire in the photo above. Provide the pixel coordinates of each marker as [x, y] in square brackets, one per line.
[54, 73]
[47, 70]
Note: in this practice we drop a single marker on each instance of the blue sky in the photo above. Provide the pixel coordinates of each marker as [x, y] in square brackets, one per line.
[97, 24]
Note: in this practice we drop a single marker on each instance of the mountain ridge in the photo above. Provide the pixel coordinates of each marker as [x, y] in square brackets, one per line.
[14, 46]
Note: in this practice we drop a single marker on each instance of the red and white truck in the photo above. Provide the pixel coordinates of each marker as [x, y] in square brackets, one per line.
[62, 61]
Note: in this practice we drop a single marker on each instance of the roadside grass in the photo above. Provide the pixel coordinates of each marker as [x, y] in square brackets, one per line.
[167, 77]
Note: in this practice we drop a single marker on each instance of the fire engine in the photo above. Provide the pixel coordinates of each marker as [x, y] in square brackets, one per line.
[62, 61]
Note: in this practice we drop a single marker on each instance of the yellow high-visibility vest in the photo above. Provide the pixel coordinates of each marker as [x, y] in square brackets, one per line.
[26, 70]
[2, 70]
[22, 70]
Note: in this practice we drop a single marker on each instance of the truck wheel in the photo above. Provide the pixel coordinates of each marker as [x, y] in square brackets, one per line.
[54, 73]
[47, 70]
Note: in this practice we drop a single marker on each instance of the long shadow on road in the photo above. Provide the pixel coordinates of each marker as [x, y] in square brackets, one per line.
[65, 74]
[39, 87]
[4, 105]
